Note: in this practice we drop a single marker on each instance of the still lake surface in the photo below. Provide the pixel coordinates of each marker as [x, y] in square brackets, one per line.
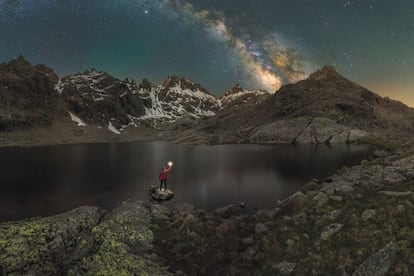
[44, 181]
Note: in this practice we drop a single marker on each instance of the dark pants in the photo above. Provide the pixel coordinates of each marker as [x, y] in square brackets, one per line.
[163, 181]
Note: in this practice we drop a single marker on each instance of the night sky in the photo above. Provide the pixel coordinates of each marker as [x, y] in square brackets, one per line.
[259, 43]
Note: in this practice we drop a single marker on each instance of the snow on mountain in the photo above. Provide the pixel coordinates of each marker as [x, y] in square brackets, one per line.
[113, 129]
[91, 84]
[237, 96]
[177, 98]
[76, 119]
[97, 97]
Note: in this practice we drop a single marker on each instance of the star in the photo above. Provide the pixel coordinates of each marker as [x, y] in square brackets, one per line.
[253, 45]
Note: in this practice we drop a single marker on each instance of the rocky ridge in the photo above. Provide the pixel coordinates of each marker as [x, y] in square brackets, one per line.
[325, 108]
[238, 97]
[34, 97]
[98, 98]
[95, 106]
[177, 98]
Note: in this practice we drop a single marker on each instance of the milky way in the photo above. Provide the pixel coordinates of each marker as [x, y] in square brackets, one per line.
[218, 43]
[270, 61]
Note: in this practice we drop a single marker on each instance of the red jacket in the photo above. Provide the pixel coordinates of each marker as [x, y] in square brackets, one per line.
[164, 174]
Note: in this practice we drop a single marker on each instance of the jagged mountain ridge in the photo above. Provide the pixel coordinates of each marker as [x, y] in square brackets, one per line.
[96, 97]
[177, 98]
[34, 95]
[189, 113]
[239, 97]
[325, 94]
[324, 108]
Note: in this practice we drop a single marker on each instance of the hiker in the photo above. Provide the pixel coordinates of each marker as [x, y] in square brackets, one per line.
[163, 176]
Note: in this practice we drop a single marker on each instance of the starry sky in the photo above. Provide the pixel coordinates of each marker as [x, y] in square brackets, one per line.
[262, 44]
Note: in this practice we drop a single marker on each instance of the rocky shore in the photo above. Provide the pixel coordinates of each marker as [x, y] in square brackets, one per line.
[356, 222]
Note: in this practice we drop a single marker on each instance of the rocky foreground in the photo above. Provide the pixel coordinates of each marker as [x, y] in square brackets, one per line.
[357, 222]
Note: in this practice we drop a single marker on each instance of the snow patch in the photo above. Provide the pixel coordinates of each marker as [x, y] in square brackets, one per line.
[76, 119]
[98, 99]
[232, 97]
[59, 87]
[112, 128]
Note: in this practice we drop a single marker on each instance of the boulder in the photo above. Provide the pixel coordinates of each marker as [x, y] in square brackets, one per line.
[306, 136]
[379, 263]
[331, 230]
[340, 138]
[280, 132]
[306, 130]
[337, 187]
[401, 208]
[337, 198]
[369, 214]
[395, 193]
[159, 212]
[225, 211]
[162, 194]
[380, 153]
[335, 214]
[286, 268]
[321, 199]
[356, 134]
[294, 203]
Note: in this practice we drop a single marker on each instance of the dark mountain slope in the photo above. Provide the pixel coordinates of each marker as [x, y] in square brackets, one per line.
[325, 108]
[27, 95]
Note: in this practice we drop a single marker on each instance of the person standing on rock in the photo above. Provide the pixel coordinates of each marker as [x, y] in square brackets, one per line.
[164, 175]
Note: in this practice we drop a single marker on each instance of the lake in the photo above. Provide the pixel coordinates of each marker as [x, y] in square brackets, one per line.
[44, 181]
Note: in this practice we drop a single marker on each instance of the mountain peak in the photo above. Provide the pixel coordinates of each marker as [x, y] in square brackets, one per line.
[145, 84]
[236, 89]
[183, 83]
[20, 61]
[172, 81]
[325, 72]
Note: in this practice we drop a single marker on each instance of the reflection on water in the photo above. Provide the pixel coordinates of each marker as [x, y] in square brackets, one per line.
[47, 180]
